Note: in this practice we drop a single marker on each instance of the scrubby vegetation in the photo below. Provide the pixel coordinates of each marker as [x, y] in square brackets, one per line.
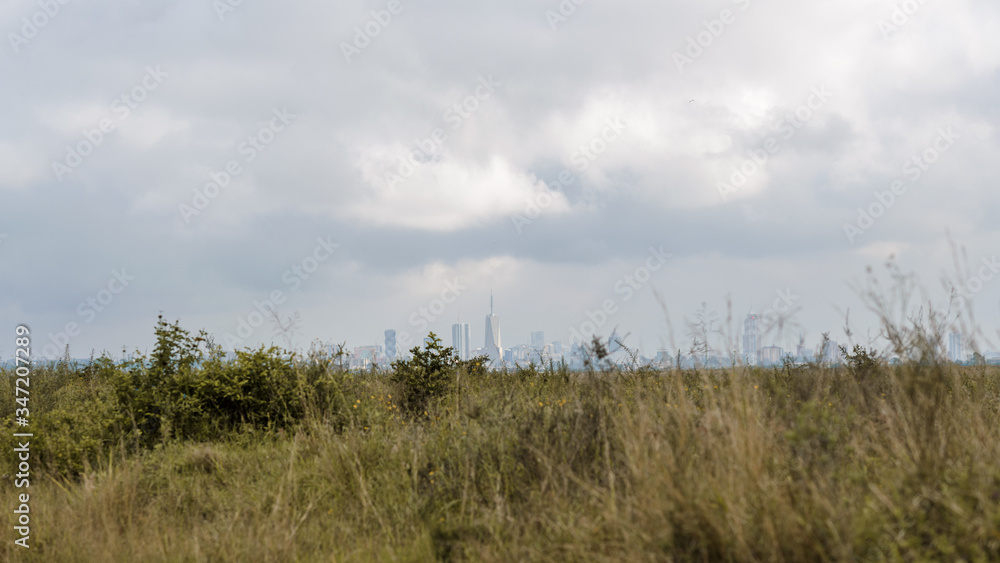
[190, 455]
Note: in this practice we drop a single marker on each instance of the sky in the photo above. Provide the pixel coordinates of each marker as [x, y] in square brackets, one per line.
[345, 168]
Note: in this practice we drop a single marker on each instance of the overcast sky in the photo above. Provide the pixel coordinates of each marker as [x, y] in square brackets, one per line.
[379, 165]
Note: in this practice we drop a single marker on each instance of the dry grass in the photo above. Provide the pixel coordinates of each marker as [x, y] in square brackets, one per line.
[800, 464]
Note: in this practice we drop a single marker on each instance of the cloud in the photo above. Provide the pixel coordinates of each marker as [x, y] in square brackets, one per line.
[654, 180]
[449, 195]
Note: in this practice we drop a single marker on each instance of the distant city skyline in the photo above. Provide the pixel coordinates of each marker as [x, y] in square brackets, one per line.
[756, 348]
[757, 345]
[541, 352]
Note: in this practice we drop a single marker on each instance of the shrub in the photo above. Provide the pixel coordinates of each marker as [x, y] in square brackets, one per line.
[428, 374]
[862, 363]
[475, 367]
[259, 387]
[188, 389]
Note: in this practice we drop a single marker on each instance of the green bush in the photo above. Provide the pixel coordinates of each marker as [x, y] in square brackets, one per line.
[862, 363]
[186, 390]
[190, 390]
[428, 374]
[475, 367]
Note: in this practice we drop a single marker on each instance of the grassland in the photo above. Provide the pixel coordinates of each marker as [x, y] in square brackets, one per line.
[188, 456]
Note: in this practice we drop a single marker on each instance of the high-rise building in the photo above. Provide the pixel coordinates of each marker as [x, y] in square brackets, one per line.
[751, 339]
[771, 355]
[460, 340]
[955, 352]
[390, 344]
[830, 352]
[538, 340]
[494, 348]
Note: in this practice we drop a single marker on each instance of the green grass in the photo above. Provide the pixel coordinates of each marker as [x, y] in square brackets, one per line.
[797, 464]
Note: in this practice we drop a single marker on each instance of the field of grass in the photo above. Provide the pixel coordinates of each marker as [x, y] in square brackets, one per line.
[188, 456]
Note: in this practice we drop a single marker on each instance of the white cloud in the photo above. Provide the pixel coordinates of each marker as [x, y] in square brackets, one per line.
[610, 61]
[448, 195]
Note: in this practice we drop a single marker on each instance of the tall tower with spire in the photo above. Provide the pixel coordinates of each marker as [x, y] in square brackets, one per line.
[494, 349]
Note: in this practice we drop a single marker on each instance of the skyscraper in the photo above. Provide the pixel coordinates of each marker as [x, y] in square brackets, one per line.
[771, 355]
[751, 339]
[494, 349]
[390, 344]
[537, 340]
[460, 339]
[955, 347]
